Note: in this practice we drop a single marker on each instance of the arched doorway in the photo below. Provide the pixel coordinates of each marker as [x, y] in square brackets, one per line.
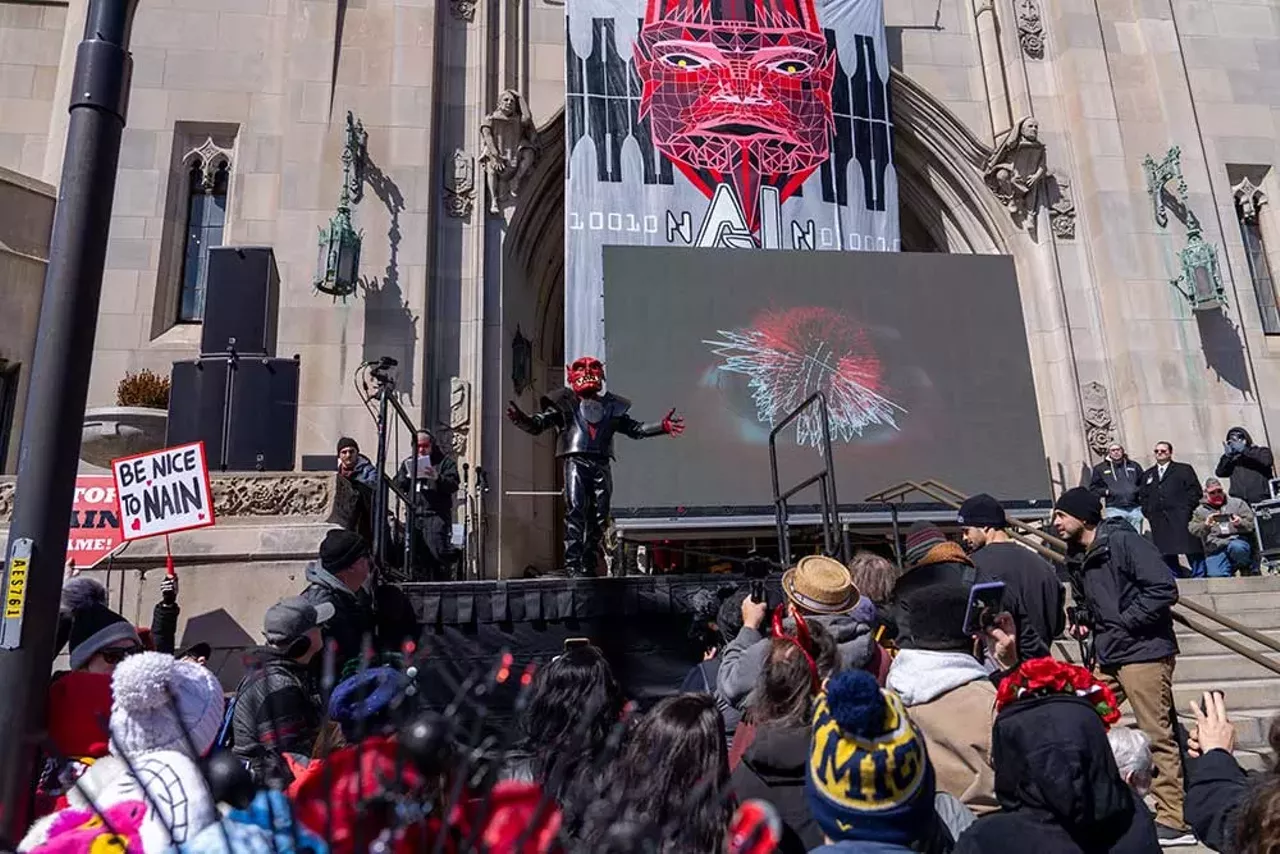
[943, 207]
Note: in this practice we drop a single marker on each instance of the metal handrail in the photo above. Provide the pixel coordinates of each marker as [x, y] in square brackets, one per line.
[825, 479]
[944, 494]
[1252, 634]
[1233, 645]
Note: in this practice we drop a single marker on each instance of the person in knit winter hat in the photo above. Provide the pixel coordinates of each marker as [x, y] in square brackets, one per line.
[99, 637]
[165, 715]
[870, 783]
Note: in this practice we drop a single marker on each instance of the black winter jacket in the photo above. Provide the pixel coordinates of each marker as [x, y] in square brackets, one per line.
[1032, 591]
[1118, 484]
[1058, 786]
[1216, 788]
[353, 616]
[435, 498]
[1129, 593]
[1250, 470]
[277, 712]
[773, 769]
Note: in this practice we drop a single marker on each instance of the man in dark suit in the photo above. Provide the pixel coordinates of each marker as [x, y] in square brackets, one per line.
[1170, 492]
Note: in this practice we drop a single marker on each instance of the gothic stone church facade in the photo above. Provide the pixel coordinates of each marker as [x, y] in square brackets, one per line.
[1037, 128]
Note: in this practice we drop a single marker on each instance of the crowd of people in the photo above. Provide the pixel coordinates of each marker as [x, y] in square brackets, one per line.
[867, 712]
[1202, 530]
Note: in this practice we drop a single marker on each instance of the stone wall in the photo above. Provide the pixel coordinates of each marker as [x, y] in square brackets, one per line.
[26, 218]
[31, 36]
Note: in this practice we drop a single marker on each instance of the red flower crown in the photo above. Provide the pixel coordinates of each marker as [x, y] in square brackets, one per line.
[1041, 677]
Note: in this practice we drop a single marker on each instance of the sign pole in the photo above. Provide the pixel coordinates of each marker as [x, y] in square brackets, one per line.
[52, 425]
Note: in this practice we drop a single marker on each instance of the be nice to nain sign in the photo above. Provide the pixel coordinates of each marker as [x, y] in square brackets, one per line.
[163, 492]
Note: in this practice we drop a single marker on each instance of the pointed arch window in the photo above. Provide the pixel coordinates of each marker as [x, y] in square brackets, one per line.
[208, 176]
[1249, 201]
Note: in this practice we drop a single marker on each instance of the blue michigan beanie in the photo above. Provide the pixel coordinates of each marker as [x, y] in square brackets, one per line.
[869, 777]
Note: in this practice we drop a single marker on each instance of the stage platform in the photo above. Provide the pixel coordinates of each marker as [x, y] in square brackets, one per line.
[642, 624]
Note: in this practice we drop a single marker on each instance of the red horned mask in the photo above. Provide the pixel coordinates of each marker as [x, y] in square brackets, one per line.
[586, 375]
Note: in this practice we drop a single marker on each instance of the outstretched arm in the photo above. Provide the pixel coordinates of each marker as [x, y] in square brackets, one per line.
[673, 425]
[532, 424]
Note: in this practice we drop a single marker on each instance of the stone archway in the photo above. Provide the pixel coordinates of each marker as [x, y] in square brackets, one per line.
[944, 207]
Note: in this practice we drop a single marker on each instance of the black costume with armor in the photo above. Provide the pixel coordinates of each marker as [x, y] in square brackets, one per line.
[586, 420]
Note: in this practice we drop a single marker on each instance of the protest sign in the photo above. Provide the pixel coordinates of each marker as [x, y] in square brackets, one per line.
[163, 492]
[95, 521]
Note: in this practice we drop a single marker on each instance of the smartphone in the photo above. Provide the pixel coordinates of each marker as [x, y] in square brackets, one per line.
[574, 643]
[1203, 709]
[986, 600]
[757, 590]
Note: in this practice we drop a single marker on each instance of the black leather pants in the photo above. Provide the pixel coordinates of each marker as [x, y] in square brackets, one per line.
[588, 487]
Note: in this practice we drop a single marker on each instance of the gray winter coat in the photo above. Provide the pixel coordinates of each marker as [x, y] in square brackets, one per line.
[743, 659]
[1214, 540]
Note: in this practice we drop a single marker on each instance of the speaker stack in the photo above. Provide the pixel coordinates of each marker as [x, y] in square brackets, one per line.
[237, 397]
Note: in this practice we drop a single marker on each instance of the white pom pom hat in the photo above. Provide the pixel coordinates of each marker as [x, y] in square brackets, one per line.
[155, 697]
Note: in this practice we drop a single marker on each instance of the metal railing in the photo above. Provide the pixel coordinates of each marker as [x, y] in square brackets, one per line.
[825, 480]
[1054, 548]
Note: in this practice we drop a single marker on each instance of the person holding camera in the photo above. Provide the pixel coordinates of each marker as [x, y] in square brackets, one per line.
[1225, 524]
[1249, 466]
[1127, 593]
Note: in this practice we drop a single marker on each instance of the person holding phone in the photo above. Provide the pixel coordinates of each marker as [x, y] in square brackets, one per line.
[1120, 579]
[1225, 524]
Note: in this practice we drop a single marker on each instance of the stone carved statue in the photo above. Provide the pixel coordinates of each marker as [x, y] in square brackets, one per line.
[1016, 169]
[1098, 426]
[508, 146]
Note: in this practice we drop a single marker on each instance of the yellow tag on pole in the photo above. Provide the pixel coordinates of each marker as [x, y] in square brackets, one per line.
[16, 590]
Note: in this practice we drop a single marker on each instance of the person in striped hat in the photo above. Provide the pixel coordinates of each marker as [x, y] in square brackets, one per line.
[870, 784]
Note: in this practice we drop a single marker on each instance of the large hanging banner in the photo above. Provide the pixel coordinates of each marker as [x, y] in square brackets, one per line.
[747, 124]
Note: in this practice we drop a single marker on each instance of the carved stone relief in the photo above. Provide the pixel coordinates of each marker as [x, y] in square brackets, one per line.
[1098, 427]
[1062, 210]
[459, 184]
[1249, 197]
[1030, 28]
[1016, 169]
[463, 10]
[210, 158]
[459, 414]
[6, 500]
[508, 147]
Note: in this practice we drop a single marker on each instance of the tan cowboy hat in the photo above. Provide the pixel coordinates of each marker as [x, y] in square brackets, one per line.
[820, 585]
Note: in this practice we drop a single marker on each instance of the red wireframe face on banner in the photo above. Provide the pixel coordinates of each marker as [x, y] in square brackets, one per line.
[737, 91]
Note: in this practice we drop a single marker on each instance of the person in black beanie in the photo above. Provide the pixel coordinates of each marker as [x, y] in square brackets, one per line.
[342, 577]
[1128, 593]
[1032, 592]
[98, 637]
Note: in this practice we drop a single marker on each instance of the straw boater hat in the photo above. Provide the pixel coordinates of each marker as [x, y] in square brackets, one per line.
[820, 585]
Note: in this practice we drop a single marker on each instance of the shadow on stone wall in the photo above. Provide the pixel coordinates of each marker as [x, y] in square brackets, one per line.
[389, 324]
[1224, 349]
[228, 639]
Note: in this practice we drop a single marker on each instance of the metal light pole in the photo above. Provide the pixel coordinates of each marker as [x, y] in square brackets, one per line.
[51, 427]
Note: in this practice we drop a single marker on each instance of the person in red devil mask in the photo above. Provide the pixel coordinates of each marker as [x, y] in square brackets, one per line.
[585, 418]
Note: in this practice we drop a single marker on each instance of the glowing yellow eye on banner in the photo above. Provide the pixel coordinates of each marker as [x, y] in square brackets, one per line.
[683, 61]
[791, 66]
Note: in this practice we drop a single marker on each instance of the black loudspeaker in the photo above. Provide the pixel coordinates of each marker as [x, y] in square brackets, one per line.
[244, 409]
[242, 301]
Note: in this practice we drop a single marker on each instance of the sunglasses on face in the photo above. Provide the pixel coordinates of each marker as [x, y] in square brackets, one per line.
[1161, 451]
[117, 654]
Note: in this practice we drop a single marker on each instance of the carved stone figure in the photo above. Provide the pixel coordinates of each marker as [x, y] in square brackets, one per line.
[7, 491]
[1030, 28]
[1016, 169]
[459, 184]
[463, 10]
[508, 147]
[1062, 210]
[459, 414]
[1097, 416]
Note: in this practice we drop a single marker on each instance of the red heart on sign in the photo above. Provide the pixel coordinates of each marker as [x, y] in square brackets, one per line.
[136, 524]
[148, 483]
[200, 516]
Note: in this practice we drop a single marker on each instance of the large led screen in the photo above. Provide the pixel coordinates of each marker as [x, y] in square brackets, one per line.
[923, 359]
